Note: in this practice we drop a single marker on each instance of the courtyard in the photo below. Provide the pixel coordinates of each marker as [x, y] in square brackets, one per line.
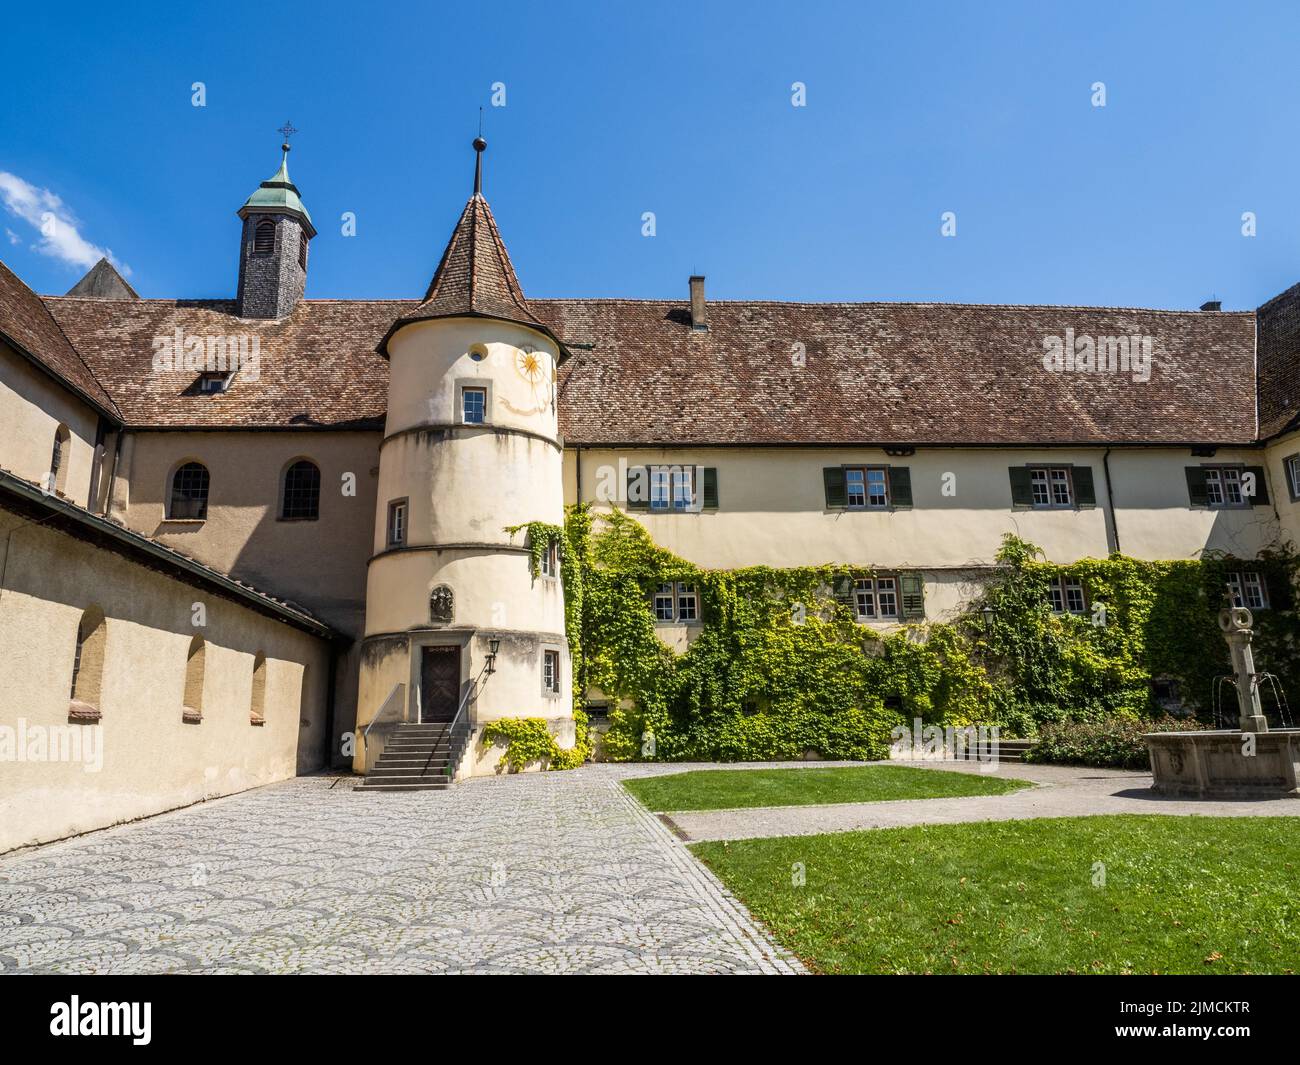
[566, 872]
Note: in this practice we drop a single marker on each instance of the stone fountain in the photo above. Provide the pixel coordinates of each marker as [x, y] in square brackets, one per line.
[1248, 762]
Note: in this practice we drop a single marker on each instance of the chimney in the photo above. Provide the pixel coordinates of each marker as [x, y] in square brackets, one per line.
[699, 315]
[1212, 305]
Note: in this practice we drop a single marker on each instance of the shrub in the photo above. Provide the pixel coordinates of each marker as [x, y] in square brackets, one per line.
[1113, 743]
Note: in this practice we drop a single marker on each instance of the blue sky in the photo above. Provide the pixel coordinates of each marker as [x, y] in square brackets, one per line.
[684, 110]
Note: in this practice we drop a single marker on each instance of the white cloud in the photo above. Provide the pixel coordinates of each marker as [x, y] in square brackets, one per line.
[14, 238]
[54, 222]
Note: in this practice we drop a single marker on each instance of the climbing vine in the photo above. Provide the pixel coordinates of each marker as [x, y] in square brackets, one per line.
[780, 666]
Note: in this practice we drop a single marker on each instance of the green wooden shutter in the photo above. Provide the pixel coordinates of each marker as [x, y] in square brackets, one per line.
[913, 589]
[1196, 493]
[1022, 486]
[1085, 493]
[710, 488]
[842, 589]
[638, 485]
[1261, 486]
[900, 486]
[833, 479]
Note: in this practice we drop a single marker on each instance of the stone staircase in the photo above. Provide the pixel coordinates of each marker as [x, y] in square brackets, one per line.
[1008, 751]
[417, 758]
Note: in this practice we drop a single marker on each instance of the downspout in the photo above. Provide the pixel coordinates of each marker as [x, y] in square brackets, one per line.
[1111, 519]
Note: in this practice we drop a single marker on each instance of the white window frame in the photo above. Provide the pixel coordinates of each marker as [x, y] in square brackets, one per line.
[1223, 488]
[1249, 589]
[676, 603]
[398, 510]
[1066, 595]
[465, 393]
[1293, 475]
[876, 598]
[1052, 487]
[869, 485]
[665, 599]
[688, 603]
[549, 564]
[551, 683]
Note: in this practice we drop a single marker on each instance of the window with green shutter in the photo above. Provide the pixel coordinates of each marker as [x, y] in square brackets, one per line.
[710, 488]
[1085, 492]
[900, 486]
[913, 596]
[833, 481]
[1022, 487]
[638, 488]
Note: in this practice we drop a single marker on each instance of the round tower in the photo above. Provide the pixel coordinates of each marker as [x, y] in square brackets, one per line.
[471, 449]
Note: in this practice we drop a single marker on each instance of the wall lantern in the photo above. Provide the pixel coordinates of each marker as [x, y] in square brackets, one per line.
[494, 645]
[987, 614]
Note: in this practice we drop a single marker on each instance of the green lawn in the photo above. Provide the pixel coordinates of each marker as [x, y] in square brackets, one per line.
[1180, 895]
[731, 789]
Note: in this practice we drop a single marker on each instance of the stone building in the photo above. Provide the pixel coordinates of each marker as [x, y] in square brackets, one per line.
[335, 481]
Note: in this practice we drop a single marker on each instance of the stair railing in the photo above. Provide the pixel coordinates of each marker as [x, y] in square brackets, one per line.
[390, 713]
[460, 724]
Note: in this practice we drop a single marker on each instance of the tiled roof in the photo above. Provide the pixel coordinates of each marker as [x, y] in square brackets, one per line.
[872, 373]
[27, 324]
[475, 276]
[315, 369]
[1279, 363]
[882, 373]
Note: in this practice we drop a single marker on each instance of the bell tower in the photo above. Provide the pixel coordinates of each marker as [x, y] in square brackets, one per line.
[273, 248]
[471, 448]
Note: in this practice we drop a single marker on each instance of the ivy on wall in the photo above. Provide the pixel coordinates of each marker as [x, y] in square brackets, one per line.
[781, 667]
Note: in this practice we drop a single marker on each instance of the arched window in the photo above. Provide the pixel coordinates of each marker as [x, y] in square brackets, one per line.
[59, 460]
[189, 494]
[192, 710]
[300, 494]
[264, 237]
[257, 707]
[88, 664]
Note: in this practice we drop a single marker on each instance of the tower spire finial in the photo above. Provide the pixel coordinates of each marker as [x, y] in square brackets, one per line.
[480, 145]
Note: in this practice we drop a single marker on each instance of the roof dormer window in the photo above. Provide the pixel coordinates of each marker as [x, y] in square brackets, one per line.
[211, 382]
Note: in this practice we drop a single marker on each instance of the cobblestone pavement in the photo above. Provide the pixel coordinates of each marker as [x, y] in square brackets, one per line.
[537, 873]
[1063, 791]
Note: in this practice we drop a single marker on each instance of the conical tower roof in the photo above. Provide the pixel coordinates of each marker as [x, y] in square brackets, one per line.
[475, 278]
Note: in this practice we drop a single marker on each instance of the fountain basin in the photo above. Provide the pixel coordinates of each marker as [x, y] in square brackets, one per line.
[1214, 765]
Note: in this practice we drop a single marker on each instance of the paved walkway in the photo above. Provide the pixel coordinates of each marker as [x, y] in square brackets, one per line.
[538, 873]
[1063, 791]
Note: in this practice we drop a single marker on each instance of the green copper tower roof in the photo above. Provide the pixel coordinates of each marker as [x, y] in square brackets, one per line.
[279, 195]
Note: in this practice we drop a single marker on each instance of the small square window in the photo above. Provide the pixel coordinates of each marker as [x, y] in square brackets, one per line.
[1223, 487]
[212, 383]
[473, 406]
[864, 599]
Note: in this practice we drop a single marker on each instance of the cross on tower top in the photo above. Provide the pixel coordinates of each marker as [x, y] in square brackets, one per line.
[287, 131]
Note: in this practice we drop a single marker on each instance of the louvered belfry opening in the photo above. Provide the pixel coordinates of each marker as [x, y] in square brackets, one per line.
[264, 237]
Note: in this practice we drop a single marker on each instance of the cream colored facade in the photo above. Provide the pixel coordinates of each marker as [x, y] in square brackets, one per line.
[140, 757]
[463, 486]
